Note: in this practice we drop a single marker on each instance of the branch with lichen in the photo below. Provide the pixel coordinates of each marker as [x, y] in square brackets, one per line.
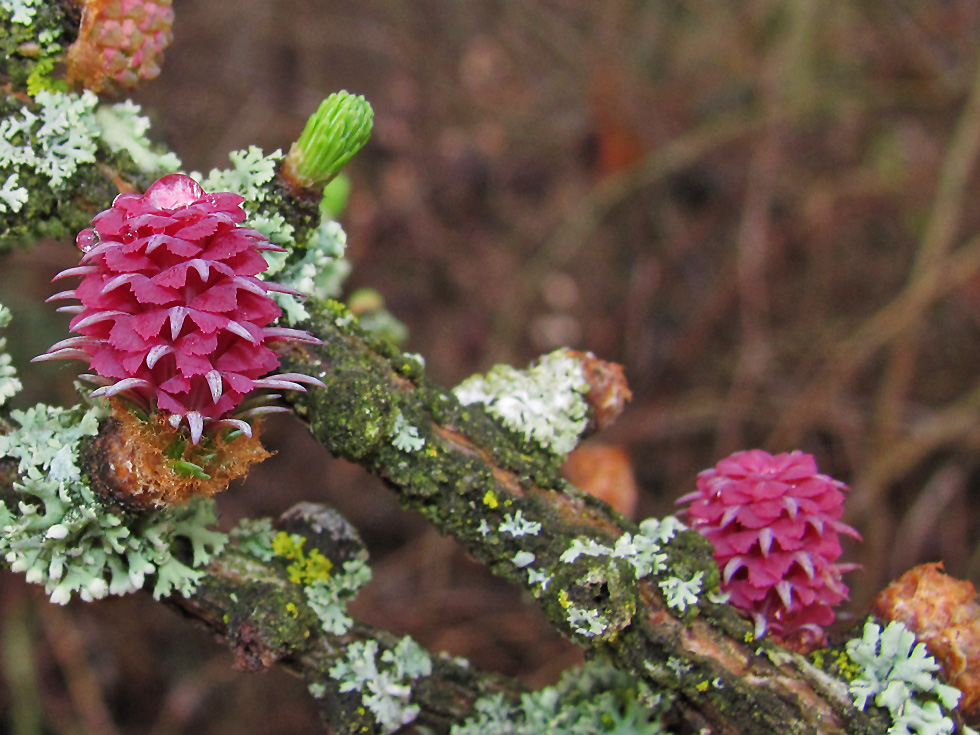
[501, 495]
[268, 596]
[258, 593]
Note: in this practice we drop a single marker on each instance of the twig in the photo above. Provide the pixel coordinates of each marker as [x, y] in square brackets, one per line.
[937, 241]
[854, 351]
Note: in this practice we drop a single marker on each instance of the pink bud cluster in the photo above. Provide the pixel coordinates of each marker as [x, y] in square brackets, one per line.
[121, 42]
[172, 315]
[774, 523]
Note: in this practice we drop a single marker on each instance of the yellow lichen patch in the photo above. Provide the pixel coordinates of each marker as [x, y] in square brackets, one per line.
[848, 668]
[289, 545]
[490, 499]
[306, 568]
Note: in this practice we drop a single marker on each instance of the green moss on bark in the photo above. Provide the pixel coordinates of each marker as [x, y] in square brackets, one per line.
[266, 616]
[28, 49]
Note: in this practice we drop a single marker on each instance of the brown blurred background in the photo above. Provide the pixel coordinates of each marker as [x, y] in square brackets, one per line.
[766, 211]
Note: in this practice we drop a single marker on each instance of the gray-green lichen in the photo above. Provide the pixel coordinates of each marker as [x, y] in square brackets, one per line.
[896, 672]
[328, 598]
[314, 264]
[53, 141]
[63, 134]
[9, 382]
[318, 270]
[594, 699]
[123, 128]
[384, 682]
[546, 403]
[50, 183]
[645, 553]
[255, 536]
[327, 589]
[61, 535]
[20, 11]
[250, 176]
[404, 436]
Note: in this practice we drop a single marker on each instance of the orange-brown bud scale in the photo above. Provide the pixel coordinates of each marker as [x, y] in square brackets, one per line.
[608, 390]
[131, 461]
[943, 612]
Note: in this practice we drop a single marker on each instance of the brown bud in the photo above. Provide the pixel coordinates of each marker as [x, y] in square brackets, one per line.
[943, 613]
[606, 473]
[134, 463]
[608, 391]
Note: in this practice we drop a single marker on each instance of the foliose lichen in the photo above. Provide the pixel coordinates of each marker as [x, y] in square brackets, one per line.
[594, 699]
[523, 559]
[681, 593]
[327, 590]
[123, 128]
[517, 525]
[896, 672]
[546, 402]
[20, 11]
[643, 551]
[53, 142]
[250, 173]
[12, 194]
[585, 621]
[9, 382]
[644, 554]
[315, 266]
[319, 270]
[384, 682]
[61, 535]
[48, 150]
[328, 598]
[255, 536]
[405, 436]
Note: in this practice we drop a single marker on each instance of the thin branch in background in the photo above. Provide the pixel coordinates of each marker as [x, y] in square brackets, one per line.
[81, 680]
[18, 665]
[937, 242]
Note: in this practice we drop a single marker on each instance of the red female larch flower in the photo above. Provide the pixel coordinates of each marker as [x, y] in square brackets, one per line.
[172, 315]
[774, 523]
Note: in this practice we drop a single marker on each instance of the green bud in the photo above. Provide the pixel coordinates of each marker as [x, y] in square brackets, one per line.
[333, 134]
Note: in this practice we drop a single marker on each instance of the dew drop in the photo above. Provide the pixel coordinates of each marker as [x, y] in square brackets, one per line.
[87, 239]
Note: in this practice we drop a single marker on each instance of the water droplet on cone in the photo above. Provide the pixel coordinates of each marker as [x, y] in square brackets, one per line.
[87, 239]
